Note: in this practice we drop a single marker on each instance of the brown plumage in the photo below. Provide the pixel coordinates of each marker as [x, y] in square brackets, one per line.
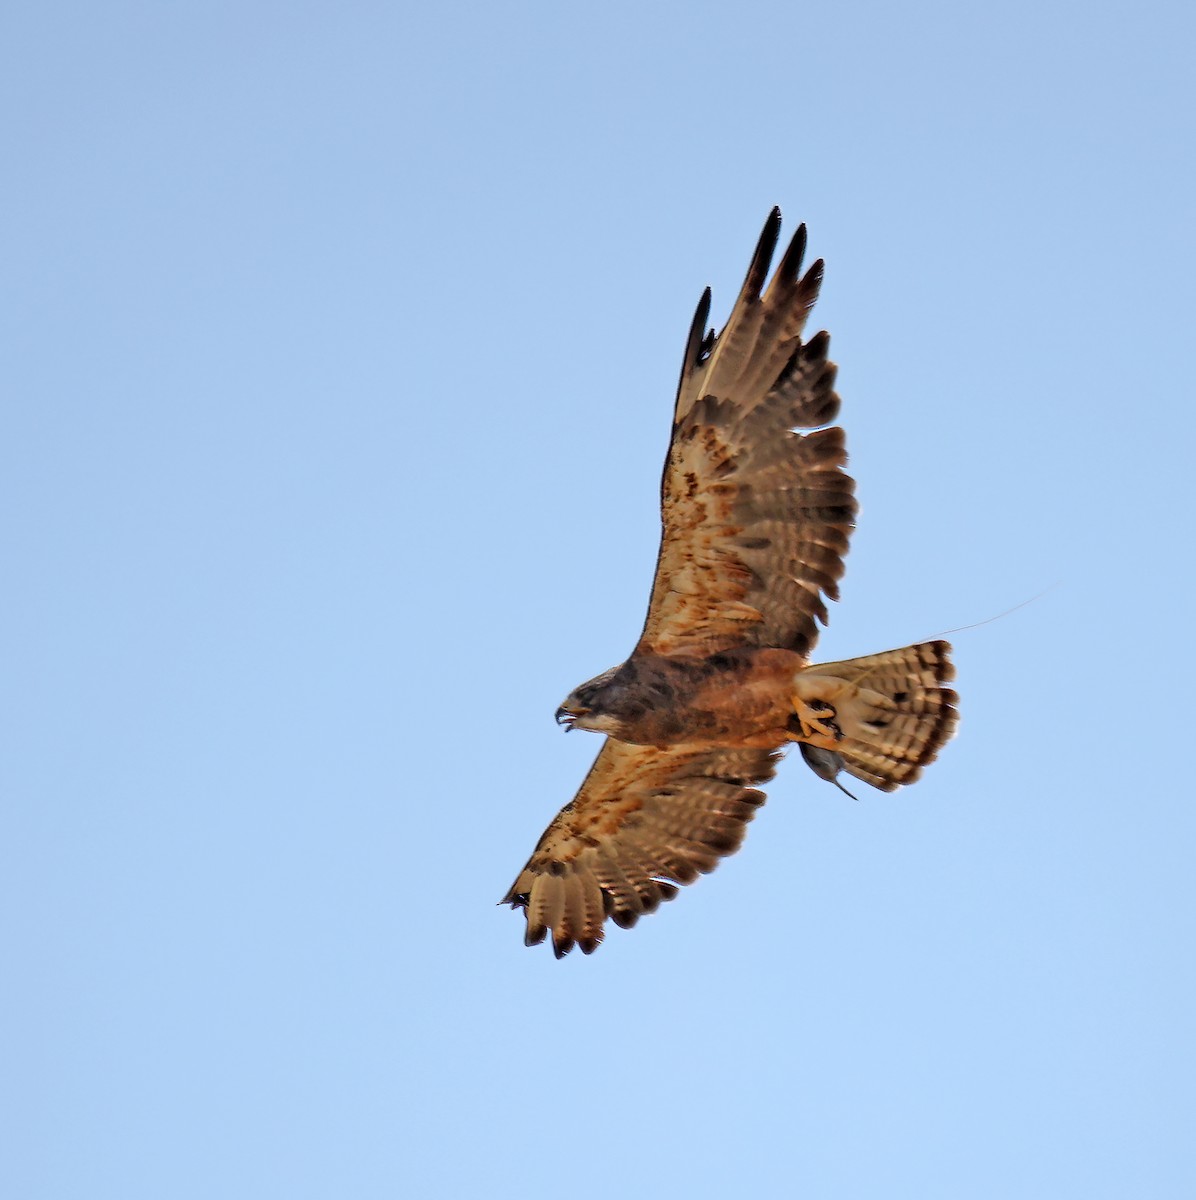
[756, 520]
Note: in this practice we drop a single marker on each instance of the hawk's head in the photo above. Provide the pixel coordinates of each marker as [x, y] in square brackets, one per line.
[598, 704]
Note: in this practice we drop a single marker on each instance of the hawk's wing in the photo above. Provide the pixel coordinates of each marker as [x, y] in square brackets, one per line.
[644, 821]
[756, 518]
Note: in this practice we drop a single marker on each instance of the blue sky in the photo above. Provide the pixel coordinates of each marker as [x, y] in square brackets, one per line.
[339, 351]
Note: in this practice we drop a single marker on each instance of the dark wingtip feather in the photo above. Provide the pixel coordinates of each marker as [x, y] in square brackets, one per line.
[562, 946]
[790, 267]
[701, 316]
[762, 259]
[817, 347]
[812, 281]
[694, 344]
[534, 935]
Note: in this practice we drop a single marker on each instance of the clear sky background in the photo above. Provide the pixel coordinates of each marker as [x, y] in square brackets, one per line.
[339, 347]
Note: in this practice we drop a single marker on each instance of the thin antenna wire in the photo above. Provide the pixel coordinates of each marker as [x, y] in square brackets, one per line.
[989, 620]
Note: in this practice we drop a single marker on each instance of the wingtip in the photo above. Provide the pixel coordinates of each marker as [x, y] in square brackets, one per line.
[762, 259]
[695, 343]
[790, 267]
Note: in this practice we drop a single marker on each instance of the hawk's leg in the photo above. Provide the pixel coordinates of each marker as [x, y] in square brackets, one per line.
[815, 723]
[814, 718]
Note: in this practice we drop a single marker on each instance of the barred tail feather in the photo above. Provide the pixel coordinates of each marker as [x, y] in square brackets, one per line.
[891, 713]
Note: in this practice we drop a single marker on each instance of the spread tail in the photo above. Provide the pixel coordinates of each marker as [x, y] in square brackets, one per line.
[881, 718]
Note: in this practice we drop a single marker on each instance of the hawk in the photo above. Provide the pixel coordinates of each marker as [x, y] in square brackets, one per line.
[756, 509]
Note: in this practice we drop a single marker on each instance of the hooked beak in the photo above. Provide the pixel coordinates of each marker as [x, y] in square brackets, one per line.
[567, 716]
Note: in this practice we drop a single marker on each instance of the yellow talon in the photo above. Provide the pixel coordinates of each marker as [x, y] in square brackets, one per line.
[817, 723]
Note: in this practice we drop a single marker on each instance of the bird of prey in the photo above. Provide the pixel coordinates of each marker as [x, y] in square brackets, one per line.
[756, 509]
